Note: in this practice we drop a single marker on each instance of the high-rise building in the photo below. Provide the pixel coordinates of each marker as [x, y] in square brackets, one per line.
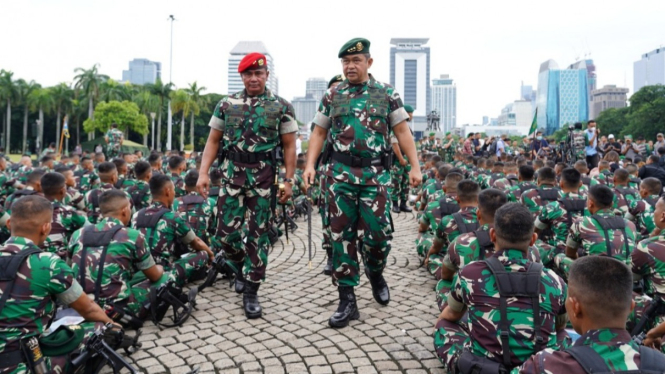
[409, 74]
[305, 108]
[563, 95]
[527, 93]
[237, 54]
[142, 71]
[590, 73]
[316, 87]
[649, 70]
[607, 97]
[517, 113]
[444, 101]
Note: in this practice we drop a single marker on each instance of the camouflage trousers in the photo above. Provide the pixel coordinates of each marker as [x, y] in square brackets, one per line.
[399, 190]
[548, 253]
[449, 341]
[326, 242]
[358, 214]
[112, 153]
[60, 364]
[442, 289]
[233, 203]
[435, 264]
[424, 243]
[183, 270]
[139, 289]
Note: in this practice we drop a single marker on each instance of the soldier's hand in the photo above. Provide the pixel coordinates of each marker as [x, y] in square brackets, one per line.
[415, 177]
[203, 185]
[402, 162]
[285, 193]
[309, 176]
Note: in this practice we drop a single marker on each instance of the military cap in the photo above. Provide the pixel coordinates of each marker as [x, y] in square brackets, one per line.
[448, 133]
[354, 46]
[252, 61]
[335, 79]
[432, 134]
[62, 341]
[408, 108]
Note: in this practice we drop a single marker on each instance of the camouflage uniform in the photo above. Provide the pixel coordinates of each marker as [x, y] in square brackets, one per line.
[86, 180]
[42, 279]
[94, 214]
[533, 200]
[648, 260]
[641, 213]
[446, 232]
[503, 184]
[360, 119]
[514, 193]
[605, 178]
[400, 178]
[126, 256]
[215, 241]
[115, 137]
[623, 197]
[7, 186]
[179, 185]
[198, 215]
[22, 173]
[432, 217]
[474, 287]
[74, 199]
[615, 346]
[171, 229]
[16, 195]
[554, 216]
[251, 126]
[140, 194]
[66, 220]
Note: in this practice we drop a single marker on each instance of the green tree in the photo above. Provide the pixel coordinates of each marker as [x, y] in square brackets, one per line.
[24, 90]
[41, 101]
[147, 103]
[646, 115]
[8, 93]
[613, 120]
[163, 92]
[181, 102]
[89, 82]
[62, 96]
[126, 114]
[199, 101]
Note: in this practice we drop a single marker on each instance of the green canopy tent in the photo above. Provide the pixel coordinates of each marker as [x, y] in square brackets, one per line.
[128, 146]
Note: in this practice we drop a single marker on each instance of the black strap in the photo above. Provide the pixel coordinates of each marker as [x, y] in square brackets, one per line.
[613, 223]
[573, 206]
[517, 284]
[651, 200]
[527, 186]
[484, 242]
[550, 194]
[10, 359]
[586, 181]
[99, 240]
[149, 222]
[357, 162]
[512, 180]
[214, 191]
[651, 361]
[588, 359]
[189, 200]
[249, 157]
[118, 184]
[627, 192]
[447, 208]
[138, 195]
[9, 266]
[463, 227]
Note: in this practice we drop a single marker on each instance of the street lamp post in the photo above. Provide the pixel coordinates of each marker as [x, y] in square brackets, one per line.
[169, 130]
[152, 115]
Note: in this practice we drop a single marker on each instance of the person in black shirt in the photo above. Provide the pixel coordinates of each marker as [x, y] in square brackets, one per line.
[651, 169]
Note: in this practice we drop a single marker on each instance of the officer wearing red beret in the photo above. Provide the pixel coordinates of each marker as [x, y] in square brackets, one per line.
[245, 129]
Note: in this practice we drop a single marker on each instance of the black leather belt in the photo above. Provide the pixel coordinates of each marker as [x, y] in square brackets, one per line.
[249, 157]
[357, 162]
[9, 359]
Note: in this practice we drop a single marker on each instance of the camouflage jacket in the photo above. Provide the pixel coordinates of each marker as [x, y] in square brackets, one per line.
[360, 118]
[623, 196]
[42, 279]
[489, 179]
[7, 186]
[13, 197]
[171, 227]
[125, 255]
[433, 214]
[554, 216]
[21, 174]
[252, 124]
[179, 184]
[648, 260]
[140, 193]
[74, 199]
[474, 288]
[447, 230]
[514, 193]
[589, 235]
[504, 184]
[532, 199]
[605, 178]
[197, 215]
[430, 191]
[615, 346]
[66, 220]
[115, 137]
[92, 201]
[641, 213]
[86, 180]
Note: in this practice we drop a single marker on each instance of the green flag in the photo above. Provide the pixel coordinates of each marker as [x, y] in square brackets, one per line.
[534, 123]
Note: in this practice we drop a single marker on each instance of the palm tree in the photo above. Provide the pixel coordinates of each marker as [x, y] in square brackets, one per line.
[147, 103]
[42, 101]
[162, 91]
[89, 81]
[23, 90]
[181, 102]
[8, 93]
[112, 90]
[198, 101]
[62, 100]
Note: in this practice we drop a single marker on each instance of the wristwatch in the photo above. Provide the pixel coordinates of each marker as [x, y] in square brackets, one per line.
[288, 180]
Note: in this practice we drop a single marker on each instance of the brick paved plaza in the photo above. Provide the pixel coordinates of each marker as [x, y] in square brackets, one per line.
[293, 336]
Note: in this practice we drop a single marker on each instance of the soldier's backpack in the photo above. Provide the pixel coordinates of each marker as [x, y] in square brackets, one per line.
[146, 222]
[651, 361]
[94, 200]
[447, 208]
[484, 243]
[613, 223]
[9, 266]
[19, 194]
[463, 227]
[527, 186]
[548, 195]
[512, 180]
[625, 192]
[194, 214]
[574, 207]
[98, 242]
[586, 181]
[138, 194]
[513, 284]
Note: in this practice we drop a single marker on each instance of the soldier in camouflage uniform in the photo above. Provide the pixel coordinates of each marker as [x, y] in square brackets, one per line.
[525, 182]
[245, 129]
[599, 300]
[73, 198]
[454, 225]
[171, 237]
[641, 211]
[177, 166]
[591, 237]
[436, 210]
[113, 138]
[139, 190]
[213, 196]
[8, 184]
[126, 255]
[108, 176]
[546, 192]
[429, 145]
[33, 186]
[24, 169]
[604, 177]
[41, 279]
[450, 147]
[400, 173]
[194, 207]
[86, 178]
[66, 219]
[361, 114]
[475, 291]
[623, 195]
[509, 180]
[155, 161]
[124, 179]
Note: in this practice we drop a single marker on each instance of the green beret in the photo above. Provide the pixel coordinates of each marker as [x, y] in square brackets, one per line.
[408, 108]
[354, 47]
[432, 133]
[62, 341]
[336, 78]
[448, 133]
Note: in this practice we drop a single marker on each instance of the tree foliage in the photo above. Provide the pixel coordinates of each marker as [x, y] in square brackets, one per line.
[126, 114]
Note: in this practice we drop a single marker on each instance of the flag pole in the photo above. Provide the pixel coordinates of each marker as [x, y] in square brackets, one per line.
[62, 136]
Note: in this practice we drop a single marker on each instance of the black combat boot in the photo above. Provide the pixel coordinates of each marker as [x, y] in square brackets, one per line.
[347, 309]
[396, 208]
[327, 269]
[250, 300]
[404, 208]
[380, 289]
[240, 282]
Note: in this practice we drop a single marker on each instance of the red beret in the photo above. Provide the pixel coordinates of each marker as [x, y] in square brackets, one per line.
[252, 61]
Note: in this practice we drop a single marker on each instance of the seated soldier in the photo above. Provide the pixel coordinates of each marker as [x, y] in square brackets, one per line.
[33, 187]
[108, 174]
[623, 195]
[73, 198]
[509, 320]
[510, 180]
[119, 253]
[524, 183]
[37, 281]
[194, 207]
[634, 172]
[177, 166]
[140, 189]
[124, 179]
[601, 234]
[599, 301]
[454, 225]
[168, 235]
[155, 161]
[640, 212]
[546, 192]
[605, 175]
[86, 178]
[66, 219]
[436, 210]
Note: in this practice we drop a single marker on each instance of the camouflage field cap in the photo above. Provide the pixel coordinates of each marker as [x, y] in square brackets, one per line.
[408, 108]
[354, 46]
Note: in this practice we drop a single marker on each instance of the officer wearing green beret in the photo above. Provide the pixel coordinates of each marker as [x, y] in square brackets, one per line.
[400, 173]
[360, 114]
[430, 143]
